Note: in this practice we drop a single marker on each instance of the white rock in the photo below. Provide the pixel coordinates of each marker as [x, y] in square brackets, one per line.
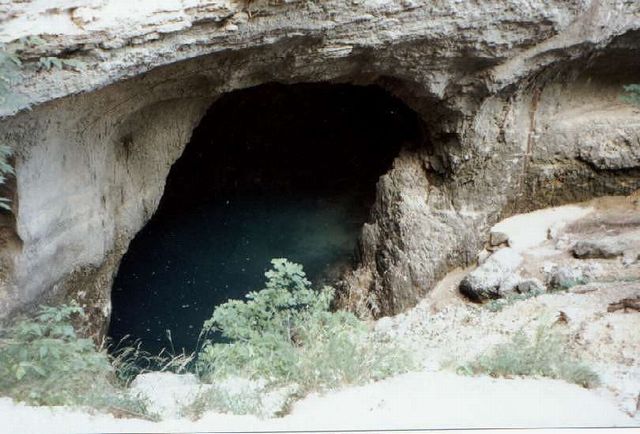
[486, 280]
[167, 393]
[510, 283]
[556, 229]
[630, 257]
[496, 238]
[507, 259]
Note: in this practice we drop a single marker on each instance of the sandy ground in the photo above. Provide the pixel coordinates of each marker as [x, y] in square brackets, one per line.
[531, 229]
[418, 400]
[445, 330]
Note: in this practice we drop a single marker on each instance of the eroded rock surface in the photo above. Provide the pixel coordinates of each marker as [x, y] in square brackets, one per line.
[591, 302]
[586, 242]
[519, 99]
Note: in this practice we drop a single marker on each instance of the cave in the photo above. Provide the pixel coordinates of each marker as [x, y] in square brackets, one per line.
[270, 171]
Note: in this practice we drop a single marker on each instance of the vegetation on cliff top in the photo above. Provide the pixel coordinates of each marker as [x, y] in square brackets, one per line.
[285, 334]
[44, 362]
[545, 354]
[282, 335]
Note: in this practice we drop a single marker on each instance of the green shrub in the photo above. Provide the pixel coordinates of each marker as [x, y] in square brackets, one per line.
[498, 304]
[564, 283]
[44, 362]
[544, 355]
[286, 334]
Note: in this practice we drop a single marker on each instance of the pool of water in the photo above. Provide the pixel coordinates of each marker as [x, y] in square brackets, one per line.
[272, 171]
[182, 265]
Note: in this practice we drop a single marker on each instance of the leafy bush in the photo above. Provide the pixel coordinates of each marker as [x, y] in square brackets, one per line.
[286, 334]
[545, 355]
[44, 362]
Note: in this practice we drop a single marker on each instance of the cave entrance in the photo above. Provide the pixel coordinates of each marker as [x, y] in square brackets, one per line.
[271, 171]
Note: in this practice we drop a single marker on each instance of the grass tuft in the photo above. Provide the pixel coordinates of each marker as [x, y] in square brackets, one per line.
[543, 355]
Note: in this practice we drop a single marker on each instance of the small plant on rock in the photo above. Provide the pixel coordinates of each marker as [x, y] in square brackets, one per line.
[9, 75]
[543, 355]
[498, 304]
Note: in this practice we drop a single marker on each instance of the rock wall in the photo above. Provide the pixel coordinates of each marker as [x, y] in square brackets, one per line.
[519, 101]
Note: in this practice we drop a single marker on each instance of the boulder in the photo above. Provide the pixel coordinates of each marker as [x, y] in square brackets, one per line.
[530, 285]
[603, 248]
[494, 277]
[166, 393]
[497, 238]
[624, 244]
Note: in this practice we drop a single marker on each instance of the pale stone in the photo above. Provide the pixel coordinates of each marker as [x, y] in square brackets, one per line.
[483, 76]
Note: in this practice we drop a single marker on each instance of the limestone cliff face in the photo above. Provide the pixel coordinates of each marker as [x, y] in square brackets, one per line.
[519, 100]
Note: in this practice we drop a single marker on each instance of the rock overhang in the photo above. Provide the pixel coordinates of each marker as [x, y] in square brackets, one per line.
[472, 72]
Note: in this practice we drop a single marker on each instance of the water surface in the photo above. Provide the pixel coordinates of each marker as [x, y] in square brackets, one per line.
[179, 268]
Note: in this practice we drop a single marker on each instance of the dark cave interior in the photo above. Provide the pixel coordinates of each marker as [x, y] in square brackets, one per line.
[271, 171]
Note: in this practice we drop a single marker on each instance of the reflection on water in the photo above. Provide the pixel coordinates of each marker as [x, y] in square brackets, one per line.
[181, 266]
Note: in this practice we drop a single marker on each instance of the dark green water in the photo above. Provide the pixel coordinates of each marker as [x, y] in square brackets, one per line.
[180, 268]
[272, 171]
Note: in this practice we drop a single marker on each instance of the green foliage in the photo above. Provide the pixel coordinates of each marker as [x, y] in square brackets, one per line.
[543, 355]
[498, 304]
[286, 334]
[44, 362]
[564, 283]
[632, 94]
[274, 312]
[9, 75]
